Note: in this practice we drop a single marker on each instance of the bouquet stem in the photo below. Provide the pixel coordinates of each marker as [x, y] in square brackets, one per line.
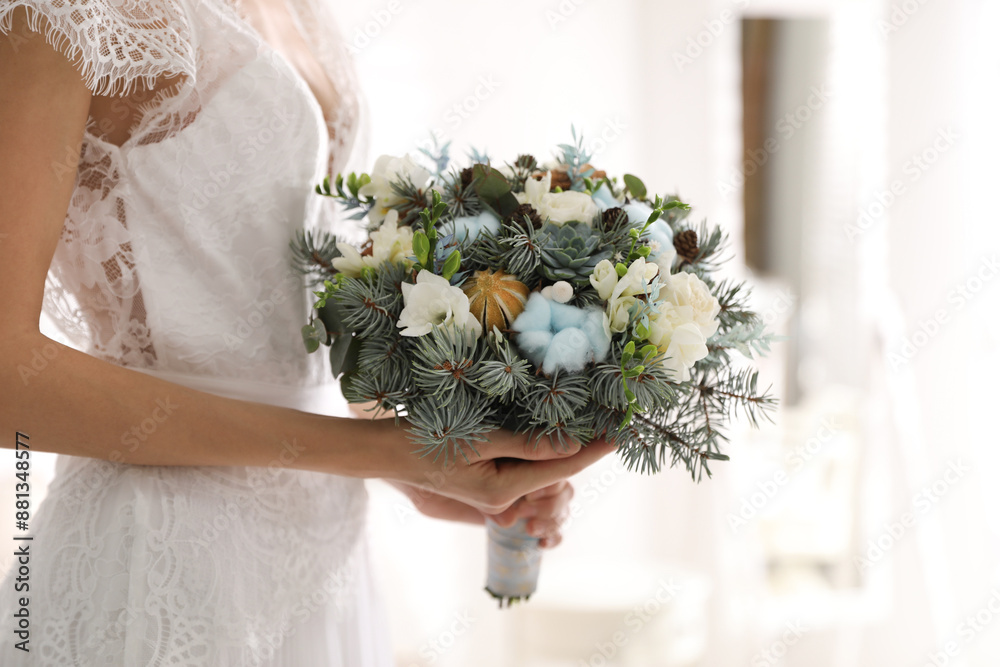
[513, 564]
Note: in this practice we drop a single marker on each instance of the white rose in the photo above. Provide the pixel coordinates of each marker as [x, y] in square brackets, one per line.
[635, 280]
[686, 290]
[387, 170]
[433, 302]
[687, 346]
[604, 278]
[618, 313]
[535, 191]
[569, 206]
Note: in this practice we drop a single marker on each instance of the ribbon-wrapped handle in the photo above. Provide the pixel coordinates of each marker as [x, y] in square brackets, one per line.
[513, 564]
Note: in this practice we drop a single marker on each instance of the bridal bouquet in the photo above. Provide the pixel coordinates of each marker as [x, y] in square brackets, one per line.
[548, 299]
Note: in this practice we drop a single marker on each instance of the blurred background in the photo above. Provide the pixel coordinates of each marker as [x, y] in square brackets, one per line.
[849, 148]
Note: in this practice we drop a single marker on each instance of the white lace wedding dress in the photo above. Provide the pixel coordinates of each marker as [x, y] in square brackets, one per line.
[174, 260]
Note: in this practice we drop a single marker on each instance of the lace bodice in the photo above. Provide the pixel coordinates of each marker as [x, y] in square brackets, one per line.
[174, 253]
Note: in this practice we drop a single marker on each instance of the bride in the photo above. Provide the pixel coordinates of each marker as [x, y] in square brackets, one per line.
[208, 509]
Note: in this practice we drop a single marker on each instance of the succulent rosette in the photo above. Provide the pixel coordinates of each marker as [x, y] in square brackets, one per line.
[556, 302]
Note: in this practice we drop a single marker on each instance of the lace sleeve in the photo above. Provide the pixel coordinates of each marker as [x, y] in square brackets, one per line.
[115, 43]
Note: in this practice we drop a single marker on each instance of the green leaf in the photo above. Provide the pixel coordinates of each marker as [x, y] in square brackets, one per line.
[621, 269]
[628, 418]
[648, 351]
[491, 186]
[641, 331]
[644, 251]
[635, 186]
[506, 204]
[628, 353]
[332, 317]
[338, 353]
[313, 335]
[421, 247]
[452, 265]
[634, 372]
[629, 395]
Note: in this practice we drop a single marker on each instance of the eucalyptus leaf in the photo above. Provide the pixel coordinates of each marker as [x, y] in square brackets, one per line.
[635, 186]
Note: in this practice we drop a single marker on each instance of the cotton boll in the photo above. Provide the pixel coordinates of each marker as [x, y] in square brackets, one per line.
[638, 213]
[604, 199]
[537, 315]
[564, 317]
[562, 292]
[468, 228]
[569, 350]
[534, 345]
[598, 332]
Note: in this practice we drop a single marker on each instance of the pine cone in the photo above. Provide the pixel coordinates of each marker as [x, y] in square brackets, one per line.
[610, 218]
[526, 162]
[560, 179]
[517, 217]
[466, 176]
[686, 245]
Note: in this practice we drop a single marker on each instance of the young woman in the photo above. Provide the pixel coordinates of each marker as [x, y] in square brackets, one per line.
[157, 157]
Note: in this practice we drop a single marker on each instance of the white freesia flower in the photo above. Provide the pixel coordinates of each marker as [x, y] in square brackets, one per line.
[569, 206]
[687, 291]
[635, 280]
[387, 170]
[390, 243]
[618, 313]
[433, 302]
[604, 278]
[558, 207]
[350, 262]
[534, 191]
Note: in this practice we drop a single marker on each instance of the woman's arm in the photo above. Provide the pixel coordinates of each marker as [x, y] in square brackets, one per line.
[71, 403]
[545, 510]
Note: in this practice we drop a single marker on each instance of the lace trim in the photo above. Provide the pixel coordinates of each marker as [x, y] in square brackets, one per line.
[115, 44]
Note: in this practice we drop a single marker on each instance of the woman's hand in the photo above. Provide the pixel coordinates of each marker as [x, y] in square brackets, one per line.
[545, 510]
[508, 466]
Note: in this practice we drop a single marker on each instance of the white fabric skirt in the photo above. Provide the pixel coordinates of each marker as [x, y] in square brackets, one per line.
[143, 566]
